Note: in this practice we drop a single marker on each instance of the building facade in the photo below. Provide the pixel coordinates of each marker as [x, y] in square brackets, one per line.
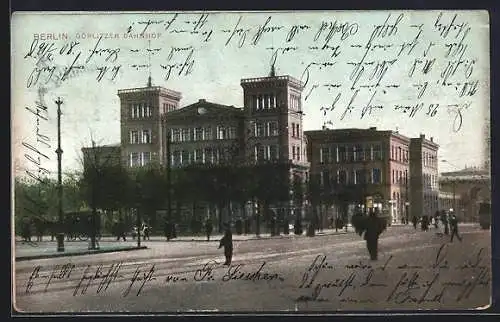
[101, 155]
[142, 111]
[371, 164]
[468, 187]
[424, 196]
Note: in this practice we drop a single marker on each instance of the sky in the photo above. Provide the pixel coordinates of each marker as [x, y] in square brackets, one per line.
[375, 64]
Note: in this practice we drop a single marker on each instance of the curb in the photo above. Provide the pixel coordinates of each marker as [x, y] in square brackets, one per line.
[248, 239]
[88, 252]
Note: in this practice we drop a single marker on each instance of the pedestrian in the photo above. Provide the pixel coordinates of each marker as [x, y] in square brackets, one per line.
[454, 227]
[414, 221]
[373, 228]
[145, 231]
[121, 230]
[444, 220]
[208, 228]
[227, 242]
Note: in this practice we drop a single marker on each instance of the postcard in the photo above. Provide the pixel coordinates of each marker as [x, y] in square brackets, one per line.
[272, 161]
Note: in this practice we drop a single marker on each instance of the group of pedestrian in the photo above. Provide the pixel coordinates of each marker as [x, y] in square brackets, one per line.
[448, 220]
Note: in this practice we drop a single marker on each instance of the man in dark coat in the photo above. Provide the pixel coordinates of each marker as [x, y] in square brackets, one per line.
[208, 228]
[227, 242]
[414, 221]
[454, 227]
[374, 227]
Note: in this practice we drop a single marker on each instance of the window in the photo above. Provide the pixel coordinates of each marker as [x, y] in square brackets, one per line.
[208, 156]
[221, 133]
[176, 135]
[298, 153]
[293, 152]
[198, 134]
[266, 101]
[259, 102]
[176, 158]
[207, 134]
[293, 130]
[377, 152]
[146, 158]
[198, 156]
[325, 178]
[350, 153]
[376, 176]
[232, 133]
[146, 136]
[254, 102]
[400, 156]
[273, 128]
[342, 176]
[259, 129]
[324, 155]
[342, 153]
[393, 176]
[358, 176]
[259, 153]
[358, 152]
[335, 153]
[134, 159]
[134, 137]
[368, 153]
[186, 135]
[273, 152]
[185, 157]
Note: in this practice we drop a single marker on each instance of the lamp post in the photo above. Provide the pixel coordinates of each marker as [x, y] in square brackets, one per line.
[169, 185]
[59, 151]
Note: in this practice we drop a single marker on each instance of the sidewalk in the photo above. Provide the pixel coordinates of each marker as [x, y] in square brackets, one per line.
[47, 249]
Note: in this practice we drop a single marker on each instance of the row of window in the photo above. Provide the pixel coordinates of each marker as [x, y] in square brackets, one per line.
[137, 159]
[140, 136]
[206, 155]
[429, 160]
[430, 181]
[264, 101]
[399, 154]
[350, 153]
[356, 176]
[295, 152]
[203, 134]
[400, 177]
[261, 129]
[295, 131]
[294, 102]
[140, 110]
[266, 152]
[167, 107]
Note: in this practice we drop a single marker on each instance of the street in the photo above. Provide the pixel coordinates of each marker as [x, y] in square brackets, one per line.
[414, 269]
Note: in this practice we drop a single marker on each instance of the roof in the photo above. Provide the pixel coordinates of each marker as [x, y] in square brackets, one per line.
[202, 107]
[290, 79]
[467, 174]
[353, 131]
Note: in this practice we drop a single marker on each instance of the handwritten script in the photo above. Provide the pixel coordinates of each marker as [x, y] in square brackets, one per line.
[400, 63]
[391, 280]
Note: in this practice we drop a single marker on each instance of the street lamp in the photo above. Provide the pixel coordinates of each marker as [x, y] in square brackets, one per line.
[59, 151]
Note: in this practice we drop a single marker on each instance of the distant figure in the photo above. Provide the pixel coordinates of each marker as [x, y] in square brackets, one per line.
[167, 229]
[227, 242]
[145, 231]
[373, 228]
[208, 228]
[454, 227]
[424, 225]
[26, 229]
[444, 220]
[414, 220]
[120, 230]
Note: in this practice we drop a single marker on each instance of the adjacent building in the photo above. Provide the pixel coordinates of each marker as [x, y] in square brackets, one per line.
[370, 163]
[424, 196]
[101, 155]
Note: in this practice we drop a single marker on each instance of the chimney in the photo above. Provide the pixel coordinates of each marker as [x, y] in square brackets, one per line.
[422, 136]
[373, 128]
[202, 100]
[432, 139]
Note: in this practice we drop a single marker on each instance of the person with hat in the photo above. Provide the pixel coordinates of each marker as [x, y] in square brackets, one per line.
[227, 242]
